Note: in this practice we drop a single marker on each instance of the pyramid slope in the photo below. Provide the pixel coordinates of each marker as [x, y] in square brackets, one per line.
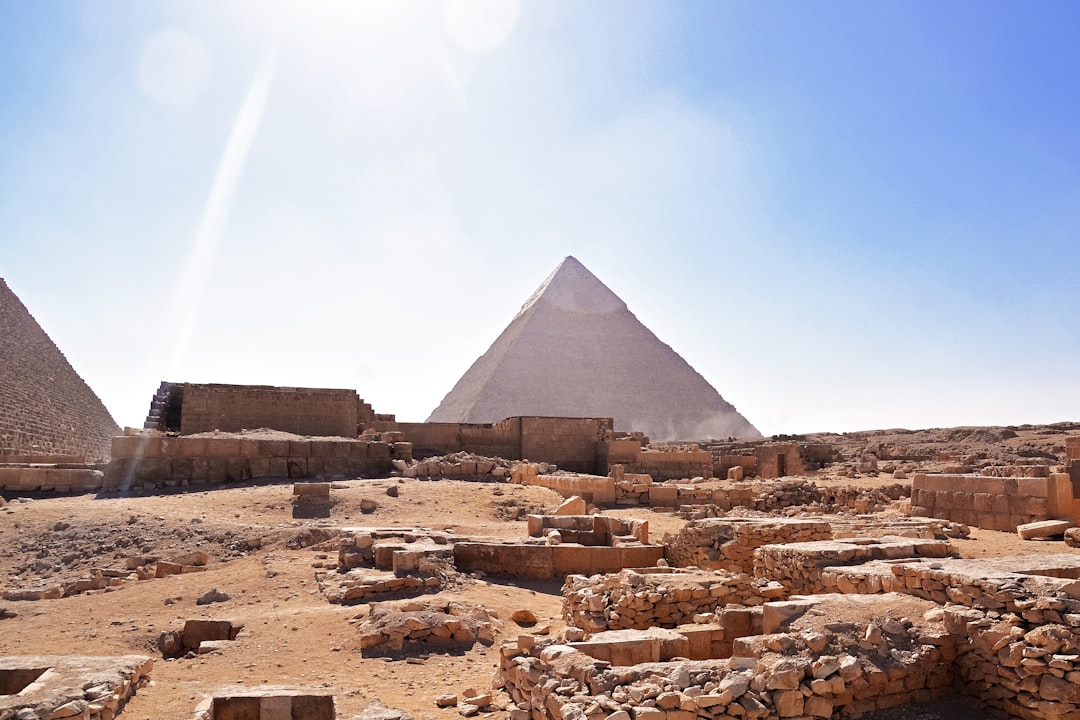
[575, 350]
[45, 407]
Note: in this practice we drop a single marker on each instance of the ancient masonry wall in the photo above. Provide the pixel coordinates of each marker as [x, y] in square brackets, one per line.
[302, 411]
[729, 544]
[51, 477]
[550, 561]
[1017, 636]
[760, 681]
[154, 461]
[45, 407]
[993, 503]
[801, 565]
[572, 440]
[569, 443]
[653, 597]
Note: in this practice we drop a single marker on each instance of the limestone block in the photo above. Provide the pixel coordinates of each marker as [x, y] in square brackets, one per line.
[312, 489]
[222, 447]
[573, 505]
[378, 450]
[274, 448]
[1043, 528]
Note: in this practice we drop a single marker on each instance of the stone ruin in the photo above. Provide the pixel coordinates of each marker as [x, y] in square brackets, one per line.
[35, 687]
[875, 624]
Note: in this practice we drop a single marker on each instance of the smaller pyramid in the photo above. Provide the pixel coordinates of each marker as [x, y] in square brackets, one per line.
[575, 350]
[45, 407]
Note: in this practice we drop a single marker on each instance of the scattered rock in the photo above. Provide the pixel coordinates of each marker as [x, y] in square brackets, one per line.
[214, 596]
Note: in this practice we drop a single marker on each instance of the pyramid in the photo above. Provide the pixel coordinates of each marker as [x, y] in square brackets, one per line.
[575, 350]
[45, 407]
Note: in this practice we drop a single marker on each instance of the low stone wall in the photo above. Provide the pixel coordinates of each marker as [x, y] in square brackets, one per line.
[771, 676]
[664, 465]
[267, 703]
[50, 477]
[550, 561]
[589, 529]
[729, 544]
[151, 461]
[775, 495]
[86, 687]
[993, 503]
[655, 597]
[593, 488]
[799, 566]
[392, 549]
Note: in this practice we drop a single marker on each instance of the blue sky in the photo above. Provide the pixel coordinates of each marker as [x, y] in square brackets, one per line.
[844, 215]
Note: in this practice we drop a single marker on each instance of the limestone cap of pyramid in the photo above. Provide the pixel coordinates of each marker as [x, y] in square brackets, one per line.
[572, 287]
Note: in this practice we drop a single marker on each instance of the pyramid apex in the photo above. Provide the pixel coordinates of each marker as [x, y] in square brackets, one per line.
[572, 287]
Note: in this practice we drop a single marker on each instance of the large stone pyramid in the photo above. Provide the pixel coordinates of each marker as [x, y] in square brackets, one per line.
[45, 407]
[575, 350]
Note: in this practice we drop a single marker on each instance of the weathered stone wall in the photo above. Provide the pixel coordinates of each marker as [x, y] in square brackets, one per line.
[653, 597]
[596, 489]
[589, 529]
[552, 681]
[729, 544]
[152, 461]
[550, 561]
[51, 477]
[1072, 448]
[302, 411]
[993, 503]
[571, 443]
[800, 565]
[45, 407]
[779, 460]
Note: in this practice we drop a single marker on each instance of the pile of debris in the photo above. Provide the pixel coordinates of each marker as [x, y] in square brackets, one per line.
[389, 627]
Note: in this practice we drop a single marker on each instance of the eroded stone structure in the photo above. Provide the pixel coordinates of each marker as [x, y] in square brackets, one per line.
[993, 502]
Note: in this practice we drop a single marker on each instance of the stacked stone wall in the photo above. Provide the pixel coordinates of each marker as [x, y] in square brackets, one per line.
[800, 565]
[571, 443]
[993, 503]
[45, 407]
[639, 599]
[729, 544]
[154, 461]
[302, 411]
[765, 681]
[529, 560]
[1072, 448]
[51, 477]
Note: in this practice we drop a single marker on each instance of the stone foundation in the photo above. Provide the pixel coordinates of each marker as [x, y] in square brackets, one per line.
[994, 503]
[729, 544]
[799, 566]
[656, 597]
[788, 674]
[151, 461]
[40, 687]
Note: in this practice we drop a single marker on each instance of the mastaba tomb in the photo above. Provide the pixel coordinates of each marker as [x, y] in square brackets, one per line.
[575, 350]
[48, 414]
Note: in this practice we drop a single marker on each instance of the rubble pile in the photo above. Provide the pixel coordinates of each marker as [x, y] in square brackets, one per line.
[461, 465]
[390, 627]
[774, 496]
[852, 669]
[653, 597]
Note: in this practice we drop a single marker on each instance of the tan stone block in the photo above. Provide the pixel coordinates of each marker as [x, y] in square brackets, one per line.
[190, 447]
[274, 448]
[222, 447]
[299, 448]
